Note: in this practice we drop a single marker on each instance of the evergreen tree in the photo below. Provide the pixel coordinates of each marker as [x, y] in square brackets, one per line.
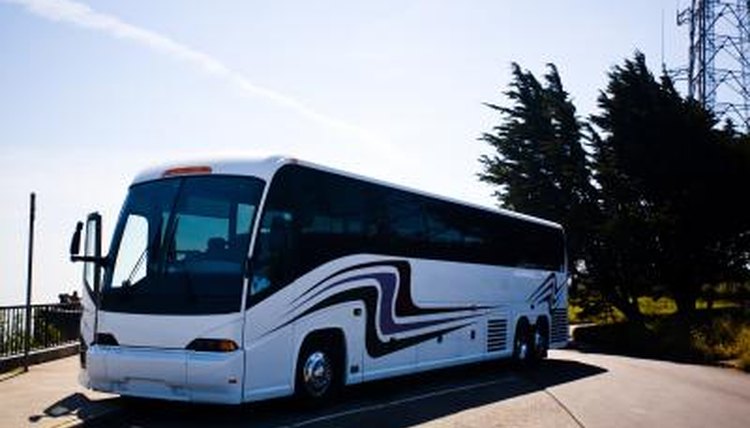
[658, 206]
[665, 176]
[539, 164]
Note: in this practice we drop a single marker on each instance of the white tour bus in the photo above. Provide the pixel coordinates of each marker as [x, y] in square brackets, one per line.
[236, 281]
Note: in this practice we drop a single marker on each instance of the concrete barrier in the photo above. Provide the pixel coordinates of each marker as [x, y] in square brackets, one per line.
[39, 356]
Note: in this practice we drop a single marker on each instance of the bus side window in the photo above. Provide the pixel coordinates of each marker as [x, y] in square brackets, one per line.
[273, 266]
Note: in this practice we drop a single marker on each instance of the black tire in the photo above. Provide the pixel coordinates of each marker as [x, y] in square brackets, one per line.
[540, 341]
[522, 346]
[319, 371]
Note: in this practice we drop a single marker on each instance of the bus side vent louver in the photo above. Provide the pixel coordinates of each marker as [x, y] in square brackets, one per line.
[559, 331]
[497, 334]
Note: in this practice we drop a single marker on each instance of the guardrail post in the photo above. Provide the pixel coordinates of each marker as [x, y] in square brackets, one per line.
[27, 332]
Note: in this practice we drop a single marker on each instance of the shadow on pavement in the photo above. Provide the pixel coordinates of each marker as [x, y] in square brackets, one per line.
[399, 402]
[75, 406]
[11, 374]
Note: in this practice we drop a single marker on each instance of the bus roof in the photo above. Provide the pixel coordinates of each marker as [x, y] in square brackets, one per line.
[264, 168]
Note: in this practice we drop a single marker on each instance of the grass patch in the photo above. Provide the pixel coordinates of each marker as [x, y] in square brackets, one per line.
[593, 311]
[718, 304]
[654, 307]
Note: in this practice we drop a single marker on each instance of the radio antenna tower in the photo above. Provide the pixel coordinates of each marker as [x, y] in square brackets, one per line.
[718, 71]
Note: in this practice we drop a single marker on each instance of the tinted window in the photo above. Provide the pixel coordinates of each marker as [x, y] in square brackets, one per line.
[405, 219]
[312, 217]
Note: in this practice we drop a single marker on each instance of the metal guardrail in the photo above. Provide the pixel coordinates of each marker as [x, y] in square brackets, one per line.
[52, 325]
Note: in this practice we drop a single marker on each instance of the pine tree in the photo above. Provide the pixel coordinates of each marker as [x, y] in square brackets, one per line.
[539, 163]
[663, 170]
[657, 205]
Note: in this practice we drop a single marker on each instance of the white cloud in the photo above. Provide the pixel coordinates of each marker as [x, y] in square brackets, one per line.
[81, 15]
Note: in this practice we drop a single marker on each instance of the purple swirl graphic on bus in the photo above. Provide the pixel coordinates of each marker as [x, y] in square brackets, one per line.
[389, 306]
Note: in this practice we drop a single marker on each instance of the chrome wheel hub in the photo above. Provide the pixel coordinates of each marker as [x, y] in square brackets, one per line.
[523, 350]
[540, 342]
[317, 374]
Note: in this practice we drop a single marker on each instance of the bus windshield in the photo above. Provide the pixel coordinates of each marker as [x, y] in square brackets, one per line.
[180, 245]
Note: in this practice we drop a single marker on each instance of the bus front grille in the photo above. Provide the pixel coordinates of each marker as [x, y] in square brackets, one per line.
[497, 334]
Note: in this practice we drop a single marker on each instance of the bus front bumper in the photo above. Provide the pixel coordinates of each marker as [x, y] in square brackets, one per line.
[169, 374]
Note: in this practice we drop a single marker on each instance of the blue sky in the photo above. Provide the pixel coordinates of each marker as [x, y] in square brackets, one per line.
[92, 92]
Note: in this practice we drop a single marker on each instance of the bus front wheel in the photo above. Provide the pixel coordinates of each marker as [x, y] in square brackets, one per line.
[318, 371]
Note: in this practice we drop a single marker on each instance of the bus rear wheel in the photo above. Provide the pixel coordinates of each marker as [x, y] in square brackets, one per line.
[540, 341]
[522, 343]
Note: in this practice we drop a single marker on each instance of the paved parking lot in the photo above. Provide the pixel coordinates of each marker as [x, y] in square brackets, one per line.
[571, 389]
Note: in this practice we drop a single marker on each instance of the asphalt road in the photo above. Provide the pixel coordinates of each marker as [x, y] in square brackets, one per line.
[571, 389]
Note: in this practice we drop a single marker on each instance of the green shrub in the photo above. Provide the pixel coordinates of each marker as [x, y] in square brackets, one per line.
[743, 342]
[745, 361]
[722, 338]
[716, 335]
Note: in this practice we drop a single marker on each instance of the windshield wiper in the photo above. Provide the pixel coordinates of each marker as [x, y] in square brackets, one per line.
[170, 253]
[127, 283]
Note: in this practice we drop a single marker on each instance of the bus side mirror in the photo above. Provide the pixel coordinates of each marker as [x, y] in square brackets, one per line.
[92, 251]
[75, 242]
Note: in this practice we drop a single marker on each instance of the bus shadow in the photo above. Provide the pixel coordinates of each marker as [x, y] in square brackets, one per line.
[397, 402]
[73, 410]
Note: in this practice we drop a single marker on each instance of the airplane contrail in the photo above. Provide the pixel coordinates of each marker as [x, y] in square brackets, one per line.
[82, 15]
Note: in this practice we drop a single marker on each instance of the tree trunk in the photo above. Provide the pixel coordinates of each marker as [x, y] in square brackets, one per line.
[629, 307]
[685, 301]
[633, 313]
